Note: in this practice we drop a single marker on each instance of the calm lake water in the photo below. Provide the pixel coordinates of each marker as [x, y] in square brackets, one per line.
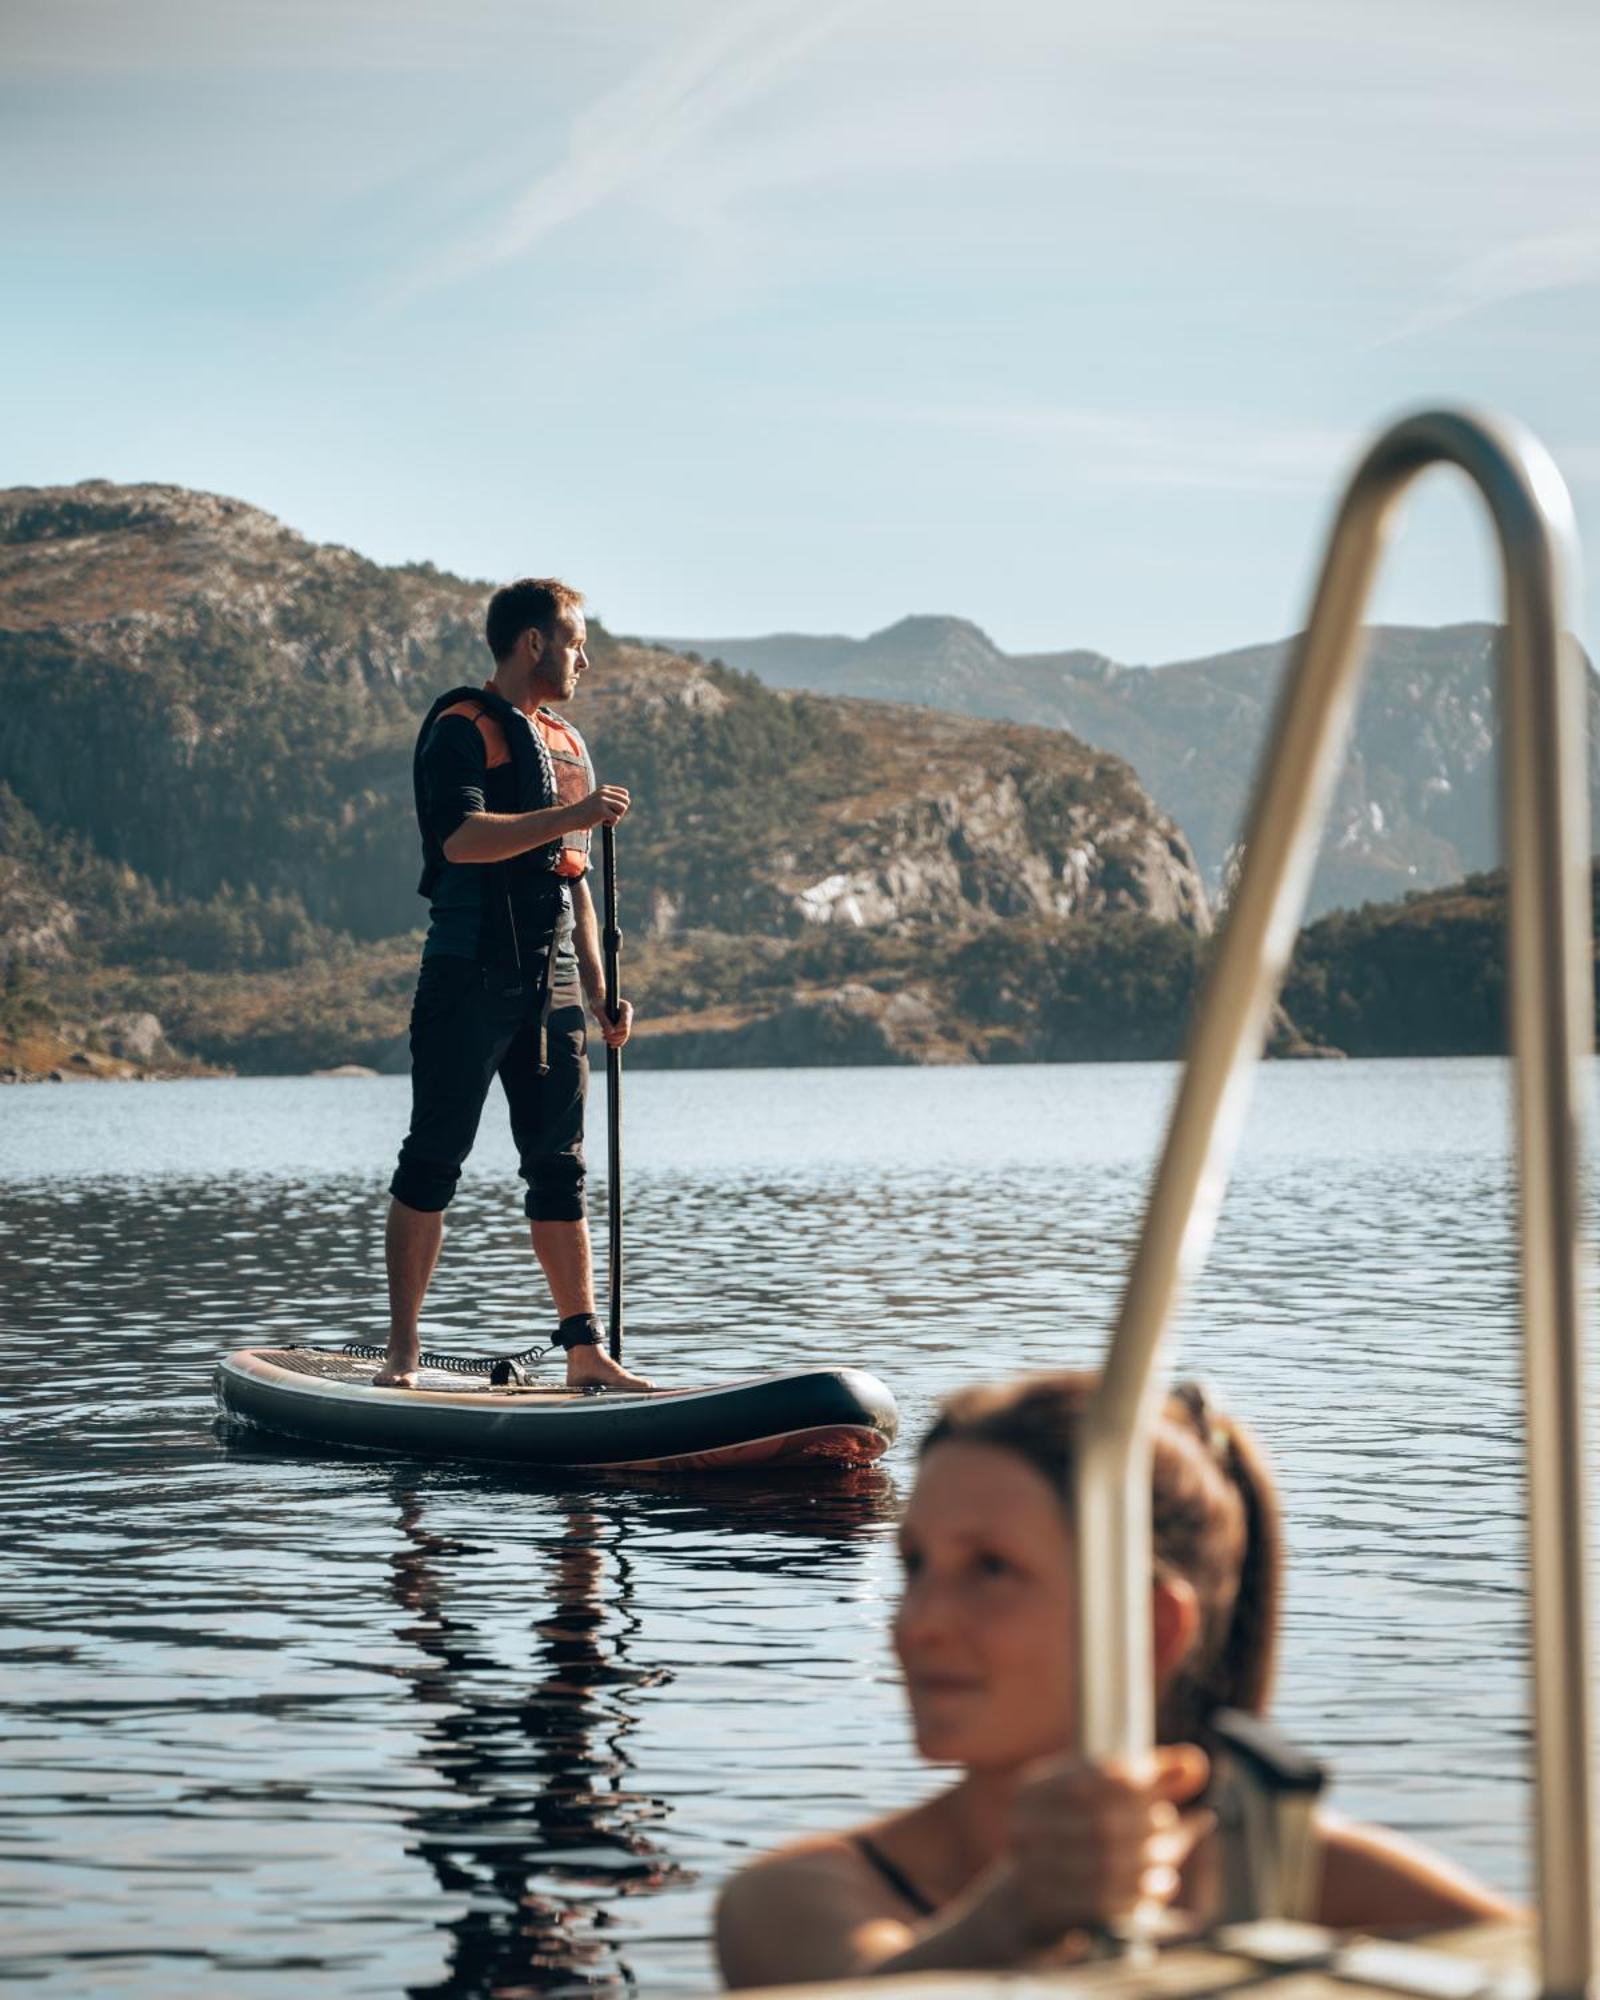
[281, 1722]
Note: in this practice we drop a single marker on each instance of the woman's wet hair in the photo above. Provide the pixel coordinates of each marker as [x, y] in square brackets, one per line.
[1215, 1518]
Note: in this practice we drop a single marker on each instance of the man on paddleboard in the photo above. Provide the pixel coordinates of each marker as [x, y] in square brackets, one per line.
[506, 801]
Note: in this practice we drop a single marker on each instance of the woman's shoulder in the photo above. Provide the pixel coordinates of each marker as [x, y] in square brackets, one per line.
[1376, 1879]
[826, 1862]
[813, 1894]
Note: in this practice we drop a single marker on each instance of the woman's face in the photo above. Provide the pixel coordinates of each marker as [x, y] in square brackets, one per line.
[984, 1632]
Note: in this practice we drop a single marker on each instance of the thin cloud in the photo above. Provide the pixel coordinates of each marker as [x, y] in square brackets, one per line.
[659, 111]
[1546, 263]
[1194, 450]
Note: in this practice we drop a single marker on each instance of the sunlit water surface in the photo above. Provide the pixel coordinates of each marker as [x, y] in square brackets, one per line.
[279, 1721]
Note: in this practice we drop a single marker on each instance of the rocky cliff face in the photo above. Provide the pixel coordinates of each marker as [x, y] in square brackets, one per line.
[1006, 842]
[871, 817]
[205, 769]
[1416, 803]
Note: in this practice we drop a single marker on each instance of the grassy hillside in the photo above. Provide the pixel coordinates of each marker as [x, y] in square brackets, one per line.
[1426, 976]
[205, 738]
[207, 855]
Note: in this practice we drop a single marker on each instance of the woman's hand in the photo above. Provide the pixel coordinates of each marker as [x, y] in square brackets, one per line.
[1091, 1842]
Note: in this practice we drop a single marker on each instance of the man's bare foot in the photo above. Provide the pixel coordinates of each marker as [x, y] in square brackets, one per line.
[400, 1364]
[591, 1367]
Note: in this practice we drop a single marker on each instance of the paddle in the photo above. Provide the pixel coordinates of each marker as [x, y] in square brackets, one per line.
[611, 940]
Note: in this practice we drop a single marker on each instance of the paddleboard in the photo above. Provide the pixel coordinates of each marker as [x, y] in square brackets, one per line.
[818, 1418]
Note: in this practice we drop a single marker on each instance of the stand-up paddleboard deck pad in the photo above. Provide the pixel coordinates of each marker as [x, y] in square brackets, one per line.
[817, 1418]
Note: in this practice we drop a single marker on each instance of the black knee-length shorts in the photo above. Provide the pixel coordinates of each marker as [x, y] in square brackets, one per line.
[466, 1030]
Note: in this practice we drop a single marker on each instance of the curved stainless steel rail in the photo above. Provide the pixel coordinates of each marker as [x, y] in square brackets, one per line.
[1545, 816]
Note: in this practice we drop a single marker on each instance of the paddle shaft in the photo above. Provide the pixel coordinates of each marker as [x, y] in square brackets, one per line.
[611, 943]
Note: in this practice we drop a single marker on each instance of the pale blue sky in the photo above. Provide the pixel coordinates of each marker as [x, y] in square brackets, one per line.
[795, 314]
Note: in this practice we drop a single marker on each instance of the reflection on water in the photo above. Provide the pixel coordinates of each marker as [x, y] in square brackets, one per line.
[543, 1832]
[279, 1717]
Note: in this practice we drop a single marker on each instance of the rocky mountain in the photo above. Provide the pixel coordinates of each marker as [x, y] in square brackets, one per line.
[1416, 804]
[205, 733]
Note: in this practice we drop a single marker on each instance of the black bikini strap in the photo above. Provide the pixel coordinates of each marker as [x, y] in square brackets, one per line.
[903, 1887]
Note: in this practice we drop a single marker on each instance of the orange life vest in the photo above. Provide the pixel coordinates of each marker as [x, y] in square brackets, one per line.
[569, 760]
[574, 781]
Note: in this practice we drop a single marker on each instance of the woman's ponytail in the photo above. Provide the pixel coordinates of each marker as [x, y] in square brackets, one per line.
[1218, 1525]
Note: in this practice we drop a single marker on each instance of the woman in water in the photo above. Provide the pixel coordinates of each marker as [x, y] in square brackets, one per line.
[1032, 1848]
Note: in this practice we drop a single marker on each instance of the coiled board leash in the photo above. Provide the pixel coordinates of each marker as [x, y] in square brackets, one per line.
[499, 1368]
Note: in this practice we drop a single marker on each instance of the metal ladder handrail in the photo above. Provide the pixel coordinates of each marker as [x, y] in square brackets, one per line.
[1545, 815]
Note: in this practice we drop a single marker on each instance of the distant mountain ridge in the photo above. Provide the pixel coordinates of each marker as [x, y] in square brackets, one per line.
[1416, 805]
[206, 725]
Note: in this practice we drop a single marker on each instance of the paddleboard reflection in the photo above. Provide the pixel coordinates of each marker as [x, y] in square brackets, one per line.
[547, 1827]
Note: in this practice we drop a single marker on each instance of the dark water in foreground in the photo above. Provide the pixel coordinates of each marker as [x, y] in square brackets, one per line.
[279, 1722]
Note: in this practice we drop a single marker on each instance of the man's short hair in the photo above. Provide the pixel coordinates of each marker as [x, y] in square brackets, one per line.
[531, 600]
